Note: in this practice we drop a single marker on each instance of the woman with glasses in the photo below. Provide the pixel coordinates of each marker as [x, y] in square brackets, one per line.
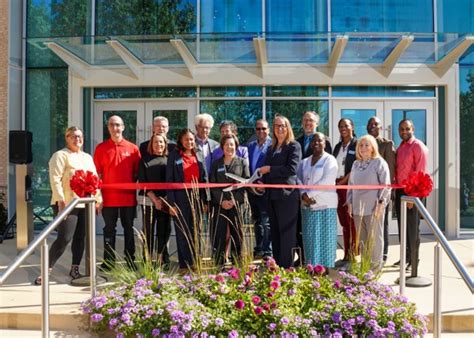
[281, 164]
[318, 207]
[62, 166]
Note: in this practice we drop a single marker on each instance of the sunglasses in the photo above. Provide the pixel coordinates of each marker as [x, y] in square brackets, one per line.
[260, 129]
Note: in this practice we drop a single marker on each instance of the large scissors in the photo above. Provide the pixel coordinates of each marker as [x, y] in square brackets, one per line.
[256, 176]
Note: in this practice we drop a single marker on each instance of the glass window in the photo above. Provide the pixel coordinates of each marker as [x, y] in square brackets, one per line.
[360, 118]
[294, 111]
[145, 92]
[243, 113]
[418, 116]
[382, 16]
[178, 120]
[303, 91]
[46, 118]
[58, 18]
[128, 17]
[129, 118]
[221, 16]
[296, 16]
[457, 16]
[230, 91]
[361, 91]
[466, 117]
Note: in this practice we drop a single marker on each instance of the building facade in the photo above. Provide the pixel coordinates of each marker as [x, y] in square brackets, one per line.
[84, 60]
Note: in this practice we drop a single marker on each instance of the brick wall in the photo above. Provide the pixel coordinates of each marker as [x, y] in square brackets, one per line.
[3, 95]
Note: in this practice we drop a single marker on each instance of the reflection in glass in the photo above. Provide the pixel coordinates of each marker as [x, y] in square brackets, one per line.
[230, 91]
[418, 116]
[129, 118]
[303, 91]
[294, 111]
[177, 119]
[243, 113]
[143, 92]
[296, 16]
[46, 104]
[221, 16]
[382, 16]
[360, 118]
[378, 91]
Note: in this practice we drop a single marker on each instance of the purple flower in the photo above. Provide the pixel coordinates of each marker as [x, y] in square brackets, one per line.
[239, 304]
[291, 292]
[336, 317]
[219, 321]
[113, 322]
[233, 334]
[284, 321]
[234, 273]
[272, 326]
[316, 285]
[155, 332]
[97, 317]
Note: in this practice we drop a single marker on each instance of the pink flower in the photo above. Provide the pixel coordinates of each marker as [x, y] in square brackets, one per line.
[219, 278]
[274, 284]
[234, 273]
[266, 307]
[239, 304]
[309, 267]
[258, 310]
[319, 269]
[269, 294]
[256, 300]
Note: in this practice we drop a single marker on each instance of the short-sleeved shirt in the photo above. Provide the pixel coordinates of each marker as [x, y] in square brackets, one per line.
[117, 163]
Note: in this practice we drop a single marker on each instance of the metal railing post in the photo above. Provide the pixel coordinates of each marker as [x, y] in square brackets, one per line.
[437, 320]
[45, 289]
[92, 252]
[403, 245]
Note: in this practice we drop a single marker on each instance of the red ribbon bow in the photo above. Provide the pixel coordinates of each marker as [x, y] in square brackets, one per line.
[419, 185]
[84, 183]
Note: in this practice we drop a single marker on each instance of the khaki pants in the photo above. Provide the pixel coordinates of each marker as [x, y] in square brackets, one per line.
[370, 231]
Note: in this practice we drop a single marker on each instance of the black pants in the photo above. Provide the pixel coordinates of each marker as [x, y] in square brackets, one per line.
[261, 226]
[227, 220]
[283, 218]
[385, 233]
[72, 228]
[157, 225]
[111, 215]
[187, 238]
[413, 231]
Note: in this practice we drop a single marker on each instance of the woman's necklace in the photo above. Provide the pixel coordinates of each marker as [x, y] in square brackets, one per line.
[364, 164]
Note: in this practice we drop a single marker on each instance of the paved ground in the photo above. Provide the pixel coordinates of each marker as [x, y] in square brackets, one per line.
[21, 297]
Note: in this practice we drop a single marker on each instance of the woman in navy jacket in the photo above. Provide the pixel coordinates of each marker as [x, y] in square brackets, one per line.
[186, 165]
[281, 164]
[345, 154]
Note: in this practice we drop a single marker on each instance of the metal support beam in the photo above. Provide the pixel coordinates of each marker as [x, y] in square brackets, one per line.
[132, 62]
[261, 52]
[337, 50]
[392, 59]
[186, 55]
[79, 66]
[442, 66]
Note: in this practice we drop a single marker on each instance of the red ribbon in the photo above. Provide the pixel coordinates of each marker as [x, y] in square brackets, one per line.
[176, 186]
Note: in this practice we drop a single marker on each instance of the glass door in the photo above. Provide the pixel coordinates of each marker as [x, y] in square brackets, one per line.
[180, 115]
[390, 113]
[132, 114]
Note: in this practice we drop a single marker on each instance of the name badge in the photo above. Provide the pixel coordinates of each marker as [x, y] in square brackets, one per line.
[179, 161]
[221, 169]
[351, 152]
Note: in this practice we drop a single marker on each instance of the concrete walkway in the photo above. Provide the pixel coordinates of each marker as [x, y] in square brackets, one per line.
[20, 300]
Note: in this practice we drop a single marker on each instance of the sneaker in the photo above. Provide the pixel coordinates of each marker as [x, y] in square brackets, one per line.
[74, 273]
[340, 263]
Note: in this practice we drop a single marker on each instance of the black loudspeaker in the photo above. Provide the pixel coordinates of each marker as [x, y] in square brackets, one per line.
[20, 147]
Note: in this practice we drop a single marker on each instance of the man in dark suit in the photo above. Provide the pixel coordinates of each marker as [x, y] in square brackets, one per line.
[310, 125]
[160, 126]
[257, 151]
[387, 151]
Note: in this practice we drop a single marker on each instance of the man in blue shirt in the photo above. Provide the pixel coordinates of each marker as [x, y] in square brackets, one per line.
[257, 151]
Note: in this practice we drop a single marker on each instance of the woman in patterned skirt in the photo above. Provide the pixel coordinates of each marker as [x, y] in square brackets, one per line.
[319, 207]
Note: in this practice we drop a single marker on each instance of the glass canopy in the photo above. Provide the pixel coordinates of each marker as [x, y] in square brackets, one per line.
[241, 48]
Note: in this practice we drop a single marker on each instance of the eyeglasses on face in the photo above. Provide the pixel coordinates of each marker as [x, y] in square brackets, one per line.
[75, 136]
[280, 126]
[261, 128]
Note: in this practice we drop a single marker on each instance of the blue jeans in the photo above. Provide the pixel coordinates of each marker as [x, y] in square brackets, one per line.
[263, 244]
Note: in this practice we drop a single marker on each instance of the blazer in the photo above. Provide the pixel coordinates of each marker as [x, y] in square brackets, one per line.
[284, 166]
[239, 167]
[309, 152]
[387, 151]
[261, 158]
[351, 154]
[175, 174]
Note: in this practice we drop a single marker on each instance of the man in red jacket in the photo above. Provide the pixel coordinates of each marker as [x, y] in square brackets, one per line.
[117, 161]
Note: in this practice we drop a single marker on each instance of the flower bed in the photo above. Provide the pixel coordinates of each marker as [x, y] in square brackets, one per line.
[260, 302]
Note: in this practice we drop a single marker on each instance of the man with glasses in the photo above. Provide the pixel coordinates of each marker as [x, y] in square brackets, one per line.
[310, 123]
[412, 156]
[161, 127]
[116, 160]
[258, 204]
[204, 123]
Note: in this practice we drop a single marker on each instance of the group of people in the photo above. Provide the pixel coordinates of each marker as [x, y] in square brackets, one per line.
[290, 223]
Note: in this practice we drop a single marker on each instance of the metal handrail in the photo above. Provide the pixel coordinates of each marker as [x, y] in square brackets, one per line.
[42, 239]
[442, 242]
